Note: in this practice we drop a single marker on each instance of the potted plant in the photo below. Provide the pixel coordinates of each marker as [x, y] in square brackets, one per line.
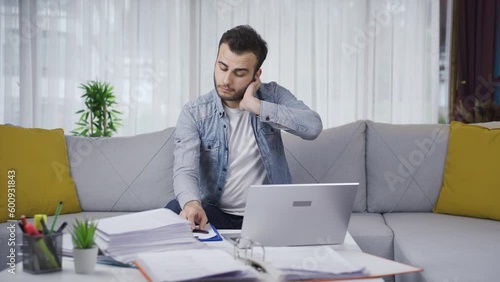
[84, 249]
[98, 119]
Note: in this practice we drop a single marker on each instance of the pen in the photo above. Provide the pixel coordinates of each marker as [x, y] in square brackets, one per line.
[30, 229]
[44, 227]
[61, 228]
[49, 242]
[196, 230]
[21, 226]
[45, 253]
[37, 219]
[58, 211]
[24, 221]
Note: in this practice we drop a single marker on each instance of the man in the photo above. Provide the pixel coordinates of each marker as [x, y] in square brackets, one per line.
[230, 138]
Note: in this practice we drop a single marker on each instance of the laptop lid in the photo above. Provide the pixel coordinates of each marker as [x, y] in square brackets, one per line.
[298, 214]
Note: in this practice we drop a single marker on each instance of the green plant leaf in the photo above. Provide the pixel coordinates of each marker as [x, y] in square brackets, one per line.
[98, 114]
[83, 233]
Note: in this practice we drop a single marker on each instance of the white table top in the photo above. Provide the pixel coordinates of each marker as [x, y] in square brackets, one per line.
[102, 273]
[114, 274]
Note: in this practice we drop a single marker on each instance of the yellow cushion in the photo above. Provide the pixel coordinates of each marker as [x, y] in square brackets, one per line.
[35, 164]
[471, 181]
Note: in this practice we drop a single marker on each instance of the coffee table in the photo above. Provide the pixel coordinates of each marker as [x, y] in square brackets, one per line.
[114, 274]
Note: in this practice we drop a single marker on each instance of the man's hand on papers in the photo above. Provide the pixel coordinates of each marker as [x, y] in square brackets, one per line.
[195, 214]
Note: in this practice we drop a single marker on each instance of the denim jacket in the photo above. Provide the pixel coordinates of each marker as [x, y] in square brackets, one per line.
[201, 141]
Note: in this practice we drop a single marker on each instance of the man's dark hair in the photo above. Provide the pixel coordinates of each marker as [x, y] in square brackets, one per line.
[244, 38]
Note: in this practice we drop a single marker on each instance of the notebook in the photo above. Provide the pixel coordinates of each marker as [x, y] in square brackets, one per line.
[193, 265]
[297, 214]
[211, 235]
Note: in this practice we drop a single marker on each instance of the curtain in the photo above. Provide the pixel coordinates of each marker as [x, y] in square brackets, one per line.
[474, 99]
[348, 60]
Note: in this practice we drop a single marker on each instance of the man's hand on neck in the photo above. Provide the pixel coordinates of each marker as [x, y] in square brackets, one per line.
[250, 103]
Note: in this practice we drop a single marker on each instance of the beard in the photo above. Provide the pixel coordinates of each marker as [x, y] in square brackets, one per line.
[235, 95]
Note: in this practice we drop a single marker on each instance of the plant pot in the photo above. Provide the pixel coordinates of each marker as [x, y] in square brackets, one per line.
[85, 260]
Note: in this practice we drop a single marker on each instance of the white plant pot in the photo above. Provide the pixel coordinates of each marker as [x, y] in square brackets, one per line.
[85, 260]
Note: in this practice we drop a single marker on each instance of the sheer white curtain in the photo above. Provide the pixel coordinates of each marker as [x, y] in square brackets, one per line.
[349, 60]
[141, 47]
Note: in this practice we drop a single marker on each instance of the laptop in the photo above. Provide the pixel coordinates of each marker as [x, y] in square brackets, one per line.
[297, 214]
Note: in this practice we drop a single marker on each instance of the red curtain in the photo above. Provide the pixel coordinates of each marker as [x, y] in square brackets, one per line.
[477, 23]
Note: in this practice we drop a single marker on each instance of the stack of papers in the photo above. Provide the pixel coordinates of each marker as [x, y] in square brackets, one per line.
[123, 237]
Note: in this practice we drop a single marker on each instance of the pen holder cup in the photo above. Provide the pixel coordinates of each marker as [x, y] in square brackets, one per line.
[42, 253]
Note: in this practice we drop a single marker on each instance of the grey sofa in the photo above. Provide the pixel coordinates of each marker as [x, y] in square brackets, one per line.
[399, 168]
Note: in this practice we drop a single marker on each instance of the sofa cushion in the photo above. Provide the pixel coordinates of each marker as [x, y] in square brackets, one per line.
[123, 173]
[404, 166]
[371, 234]
[337, 155]
[34, 173]
[447, 247]
[471, 186]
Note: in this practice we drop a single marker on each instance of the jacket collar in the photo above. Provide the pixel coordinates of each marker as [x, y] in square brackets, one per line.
[218, 103]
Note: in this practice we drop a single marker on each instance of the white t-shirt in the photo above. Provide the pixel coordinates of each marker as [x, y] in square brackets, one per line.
[245, 165]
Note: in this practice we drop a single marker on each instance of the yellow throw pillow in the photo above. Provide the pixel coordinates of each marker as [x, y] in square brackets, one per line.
[34, 173]
[471, 181]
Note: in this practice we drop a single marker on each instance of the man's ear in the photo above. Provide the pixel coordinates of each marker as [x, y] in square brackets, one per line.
[258, 73]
